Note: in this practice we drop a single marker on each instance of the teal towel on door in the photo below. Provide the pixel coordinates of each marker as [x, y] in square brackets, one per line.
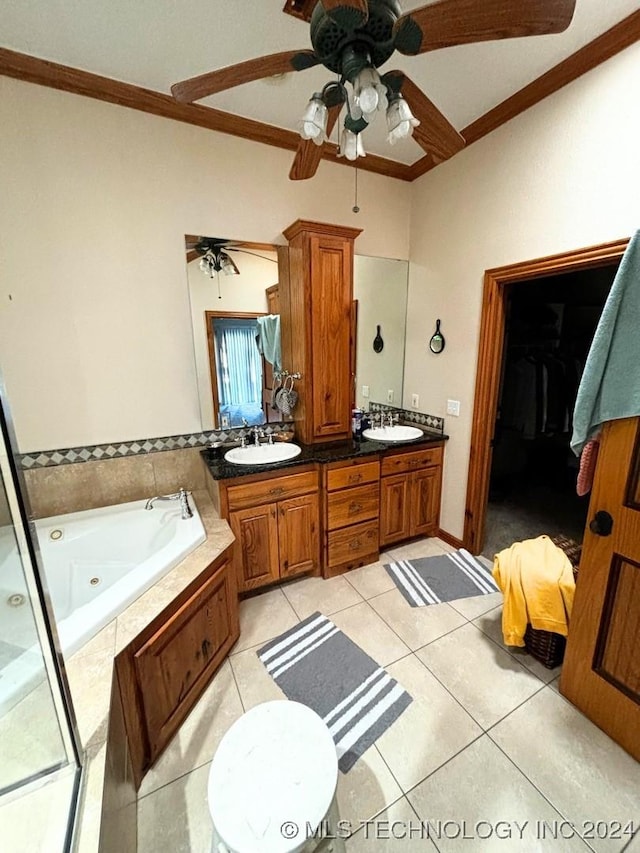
[610, 385]
[269, 335]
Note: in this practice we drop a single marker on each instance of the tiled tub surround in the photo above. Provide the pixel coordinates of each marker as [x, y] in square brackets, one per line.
[108, 791]
[69, 488]
[140, 447]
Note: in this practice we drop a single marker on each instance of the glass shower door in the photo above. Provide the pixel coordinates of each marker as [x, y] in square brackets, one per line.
[39, 765]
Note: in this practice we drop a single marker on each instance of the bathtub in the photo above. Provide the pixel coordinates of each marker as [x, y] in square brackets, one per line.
[96, 563]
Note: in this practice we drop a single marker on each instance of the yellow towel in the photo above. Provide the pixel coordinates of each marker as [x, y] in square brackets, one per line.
[536, 579]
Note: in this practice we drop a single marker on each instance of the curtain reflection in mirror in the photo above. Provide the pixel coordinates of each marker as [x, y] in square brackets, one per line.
[239, 371]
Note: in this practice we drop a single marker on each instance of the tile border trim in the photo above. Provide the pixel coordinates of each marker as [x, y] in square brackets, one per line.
[138, 447]
[119, 449]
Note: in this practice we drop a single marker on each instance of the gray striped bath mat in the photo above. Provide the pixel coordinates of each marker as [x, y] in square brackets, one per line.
[316, 664]
[432, 580]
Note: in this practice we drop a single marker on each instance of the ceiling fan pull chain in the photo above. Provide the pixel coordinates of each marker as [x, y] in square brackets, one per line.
[355, 207]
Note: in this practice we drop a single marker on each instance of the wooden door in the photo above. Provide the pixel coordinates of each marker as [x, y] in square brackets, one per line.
[299, 535]
[394, 508]
[256, 549]
[331, 289]
[425, 501]
[273, 299]
[601, 672]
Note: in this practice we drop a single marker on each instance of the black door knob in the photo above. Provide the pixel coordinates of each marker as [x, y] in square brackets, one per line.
[601, 524]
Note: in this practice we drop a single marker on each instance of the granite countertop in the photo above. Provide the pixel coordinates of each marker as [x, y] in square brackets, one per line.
[220, 469]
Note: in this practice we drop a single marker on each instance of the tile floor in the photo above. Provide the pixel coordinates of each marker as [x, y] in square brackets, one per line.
[488, 752]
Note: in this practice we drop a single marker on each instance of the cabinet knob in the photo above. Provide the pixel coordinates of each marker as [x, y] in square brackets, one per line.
[276, 491]
[355, 478]
[353, 546]
[354, 507]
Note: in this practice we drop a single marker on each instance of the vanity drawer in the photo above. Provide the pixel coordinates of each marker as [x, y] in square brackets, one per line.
[402, 462]
[273, 489]
[353, 475]
[352, 505]
[352, 543]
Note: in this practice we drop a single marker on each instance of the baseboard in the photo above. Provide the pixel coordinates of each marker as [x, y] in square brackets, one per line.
[449, 539]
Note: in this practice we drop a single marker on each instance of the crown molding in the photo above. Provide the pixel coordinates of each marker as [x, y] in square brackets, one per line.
[611, 42]
[53, 75]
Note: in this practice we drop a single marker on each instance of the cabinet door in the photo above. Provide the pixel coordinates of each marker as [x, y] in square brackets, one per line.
[174, 665]
[394, 508]
[425, 501]
[331, 288]
[299, 535]
[256, 548]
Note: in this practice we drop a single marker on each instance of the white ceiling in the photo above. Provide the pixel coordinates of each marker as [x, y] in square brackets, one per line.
[154, 43]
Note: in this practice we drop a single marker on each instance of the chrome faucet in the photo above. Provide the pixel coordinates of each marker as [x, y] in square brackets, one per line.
[393, 419]
[182, 495]
[257, 432]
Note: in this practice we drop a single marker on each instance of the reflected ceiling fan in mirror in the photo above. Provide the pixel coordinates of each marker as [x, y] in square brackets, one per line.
[353, 38]
[213, 253]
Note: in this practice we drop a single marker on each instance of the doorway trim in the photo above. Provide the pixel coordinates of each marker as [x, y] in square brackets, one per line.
[490, 349]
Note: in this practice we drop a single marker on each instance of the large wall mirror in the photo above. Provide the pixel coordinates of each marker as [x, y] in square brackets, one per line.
[233, 311]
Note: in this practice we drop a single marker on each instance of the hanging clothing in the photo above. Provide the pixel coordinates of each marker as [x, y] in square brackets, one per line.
[269, 339]
[610, 385]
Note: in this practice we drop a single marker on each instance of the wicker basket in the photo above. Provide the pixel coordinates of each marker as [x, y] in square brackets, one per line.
[546, 646]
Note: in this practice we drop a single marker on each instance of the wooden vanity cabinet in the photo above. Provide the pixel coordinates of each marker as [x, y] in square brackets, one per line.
[410, 489]
[164, 671]
[276, 522]
[352, 507]
[316, 293]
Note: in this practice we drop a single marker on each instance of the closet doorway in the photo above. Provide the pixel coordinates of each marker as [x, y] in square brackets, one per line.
[538, 318]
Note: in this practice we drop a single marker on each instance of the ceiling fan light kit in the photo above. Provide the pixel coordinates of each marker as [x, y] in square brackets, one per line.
[354, 38]
[215, 260]
[313, 124]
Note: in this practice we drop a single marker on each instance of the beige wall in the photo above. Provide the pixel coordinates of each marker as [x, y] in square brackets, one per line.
[564, 175]
[95, 329]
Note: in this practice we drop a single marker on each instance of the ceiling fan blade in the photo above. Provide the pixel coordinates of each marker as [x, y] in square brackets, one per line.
[207, 84]
[349, 14]
[192, 255]
[308, 156]
[435, 133]
[231, 261]
[450, 22]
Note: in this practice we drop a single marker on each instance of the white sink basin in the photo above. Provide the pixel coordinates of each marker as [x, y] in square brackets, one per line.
[266, 454]
[394, 433]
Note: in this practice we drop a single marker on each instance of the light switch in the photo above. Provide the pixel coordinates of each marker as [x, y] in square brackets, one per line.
[453, 408]
[365, 390]
[415, 401]
[390, 395]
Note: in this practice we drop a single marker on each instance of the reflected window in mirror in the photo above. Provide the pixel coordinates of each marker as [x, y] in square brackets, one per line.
[241, 375]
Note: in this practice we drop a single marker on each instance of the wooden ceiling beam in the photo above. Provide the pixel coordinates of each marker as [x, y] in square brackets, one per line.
[611, 42]
[45, 73]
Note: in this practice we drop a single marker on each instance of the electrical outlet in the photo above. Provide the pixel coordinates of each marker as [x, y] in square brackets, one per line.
[415, 401]
[453, 408]
[224, 421]
[390, 395]
[365, 390]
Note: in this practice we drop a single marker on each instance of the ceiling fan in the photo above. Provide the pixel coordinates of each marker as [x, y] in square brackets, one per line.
[213, 253]
[353, 38]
